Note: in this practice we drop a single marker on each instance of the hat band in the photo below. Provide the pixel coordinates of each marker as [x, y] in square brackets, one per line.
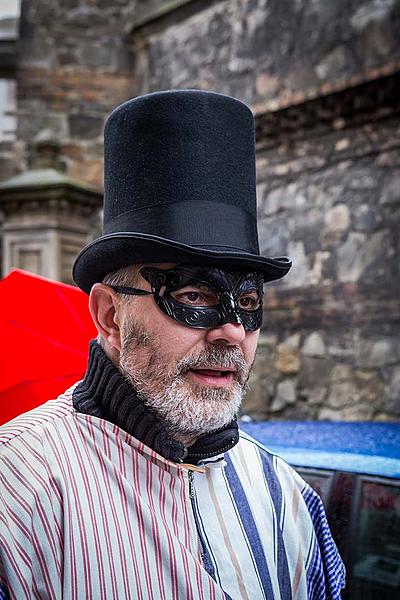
[195, 223]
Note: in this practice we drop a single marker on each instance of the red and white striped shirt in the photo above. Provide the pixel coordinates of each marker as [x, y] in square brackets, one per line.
[88, 511]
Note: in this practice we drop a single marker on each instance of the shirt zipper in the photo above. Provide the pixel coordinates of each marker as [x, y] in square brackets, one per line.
[202, 455]
[192, 496]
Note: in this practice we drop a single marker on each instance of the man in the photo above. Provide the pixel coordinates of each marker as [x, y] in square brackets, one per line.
[136, 482]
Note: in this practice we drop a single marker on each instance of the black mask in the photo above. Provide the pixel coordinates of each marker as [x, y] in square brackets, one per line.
[204, 297]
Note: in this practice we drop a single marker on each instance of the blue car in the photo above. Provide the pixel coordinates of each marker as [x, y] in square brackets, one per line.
[355, 468]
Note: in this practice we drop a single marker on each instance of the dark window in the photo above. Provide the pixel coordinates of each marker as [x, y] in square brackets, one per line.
[376, 552]
[320, 480]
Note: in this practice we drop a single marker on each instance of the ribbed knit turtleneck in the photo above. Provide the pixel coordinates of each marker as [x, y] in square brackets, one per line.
[105, 393]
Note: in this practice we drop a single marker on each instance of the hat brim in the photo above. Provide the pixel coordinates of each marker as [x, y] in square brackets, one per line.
[117, 250]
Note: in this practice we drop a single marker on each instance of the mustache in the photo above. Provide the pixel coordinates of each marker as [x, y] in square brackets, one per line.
[216, 356]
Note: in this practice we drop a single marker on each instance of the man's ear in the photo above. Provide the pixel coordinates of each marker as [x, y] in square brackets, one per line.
[103, 306]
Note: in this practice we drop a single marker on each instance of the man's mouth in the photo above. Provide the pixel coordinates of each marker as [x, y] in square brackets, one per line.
[213, 376]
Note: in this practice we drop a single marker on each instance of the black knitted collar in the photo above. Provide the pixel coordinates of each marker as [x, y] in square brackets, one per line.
[106, 394]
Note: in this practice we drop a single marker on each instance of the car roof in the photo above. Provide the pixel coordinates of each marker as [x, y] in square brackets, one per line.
[370, 448]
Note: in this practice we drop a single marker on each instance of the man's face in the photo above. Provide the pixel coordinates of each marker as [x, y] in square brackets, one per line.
[194, 379]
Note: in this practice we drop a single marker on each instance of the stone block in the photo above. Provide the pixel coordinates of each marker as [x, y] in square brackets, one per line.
[265, 354]
[54, 122]
[355, 392]
[99, 54]
[256, 401]
[267, 85]
[388, 159]
[300, 271]
[320, 268]
[368, 12]
[361, 178]
[334, 65]
[358, 253]
[89, 171]
[342, 144]
[314, 345]
[343, 343]
[85, 126]
[270, 203]
[287, 361]
[303, 226]
[376, 41]
[274, 235]
[262, 380]
[267, 340]
[338, 218]
[286, 390]
[366, 218]
[289, 197]
[392, 391]
[273, 201]
[357, 412]
[285, 395]
[277, 405]
[314, 396]
[324, 194]
[296, 412]
[39, 51]
[329, 414]
[342, 393]
[378, 352]
[7, 165]
[370, 387]
[385, 417]
[390, 192]
[315, 371]
[291, 342]
[342, 372]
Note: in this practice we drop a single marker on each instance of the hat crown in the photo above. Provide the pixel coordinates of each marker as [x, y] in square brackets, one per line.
[186, 153]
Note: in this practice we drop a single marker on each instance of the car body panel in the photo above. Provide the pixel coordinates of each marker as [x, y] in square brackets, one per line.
[370, 448]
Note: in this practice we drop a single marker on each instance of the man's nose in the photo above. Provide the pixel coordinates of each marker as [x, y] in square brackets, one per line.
[229, 334]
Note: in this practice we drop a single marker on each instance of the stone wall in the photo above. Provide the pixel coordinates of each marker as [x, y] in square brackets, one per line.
[321, 78]
[329, 196]
[78, 58]
[74, 66]
[264, 50]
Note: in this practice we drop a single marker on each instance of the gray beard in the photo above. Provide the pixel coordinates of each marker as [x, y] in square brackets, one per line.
[190, 410]
[187, 409]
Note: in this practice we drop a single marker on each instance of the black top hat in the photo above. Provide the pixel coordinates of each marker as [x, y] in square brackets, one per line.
[179, 186]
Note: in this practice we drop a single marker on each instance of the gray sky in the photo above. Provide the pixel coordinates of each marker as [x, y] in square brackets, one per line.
[9, 8]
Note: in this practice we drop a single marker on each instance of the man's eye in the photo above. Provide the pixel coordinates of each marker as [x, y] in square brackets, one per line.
[192, 296]
[195, 298]
[250, 302]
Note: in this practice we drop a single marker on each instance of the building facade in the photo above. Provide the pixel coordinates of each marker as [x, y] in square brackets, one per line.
[323, 79]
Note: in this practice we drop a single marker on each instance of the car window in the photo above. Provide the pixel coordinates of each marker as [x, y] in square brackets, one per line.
[320, 480]
[376, 557]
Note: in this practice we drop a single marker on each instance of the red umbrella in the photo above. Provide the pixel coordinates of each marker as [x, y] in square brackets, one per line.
[46, 327]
